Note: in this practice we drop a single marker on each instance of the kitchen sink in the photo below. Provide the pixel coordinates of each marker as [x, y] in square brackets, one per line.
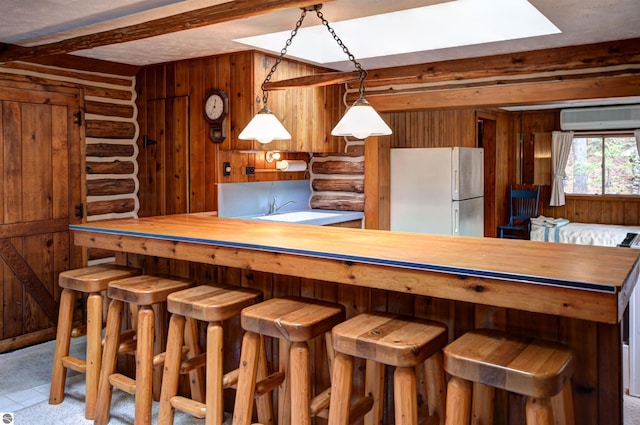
[296, 216]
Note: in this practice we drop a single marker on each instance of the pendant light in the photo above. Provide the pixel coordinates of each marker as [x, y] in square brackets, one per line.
[360, 120]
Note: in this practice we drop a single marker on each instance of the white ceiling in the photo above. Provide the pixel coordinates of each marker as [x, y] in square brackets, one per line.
[34, 22]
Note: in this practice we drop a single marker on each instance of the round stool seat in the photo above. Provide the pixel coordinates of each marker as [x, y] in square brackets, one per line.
[146, 289]
[390, 339]
[94, 278]
[211, 303]
[540, 370]
[526, 366]
[293, 319]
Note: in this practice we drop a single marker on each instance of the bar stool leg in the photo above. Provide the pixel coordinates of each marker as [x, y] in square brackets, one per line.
[196, 376]
[63, 341]
[144, 365]
[482, 404]
[109, 358]
[436, 393]
[341, 389]
[215, 373]
[405, 389]
[264, 406]
[458, 402]
[562, 405]
[171, 374]
[284, 390]
[243, 408]
[300, 396]
[94, 352]
[538, 411]
[374, 386]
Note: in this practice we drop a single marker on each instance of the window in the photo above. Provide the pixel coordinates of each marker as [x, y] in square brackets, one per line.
[603, 165]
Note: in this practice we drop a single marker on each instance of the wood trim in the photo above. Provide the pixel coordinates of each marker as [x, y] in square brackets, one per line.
[32, 284]
[25, 340]
[508, 94]
[228, 11]
[573, 58]
[8, 231]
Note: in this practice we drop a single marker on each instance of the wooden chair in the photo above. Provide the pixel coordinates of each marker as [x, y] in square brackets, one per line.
[141, 292]
[93, 281]
[386, 339]
[211, 304]
[523, 206]
[539, 370]
[295, 321]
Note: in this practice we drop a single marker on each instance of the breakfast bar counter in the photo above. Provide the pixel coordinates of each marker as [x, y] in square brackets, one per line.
[579, 291]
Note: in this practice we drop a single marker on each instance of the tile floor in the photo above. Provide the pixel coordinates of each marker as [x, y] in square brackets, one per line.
[30, 385]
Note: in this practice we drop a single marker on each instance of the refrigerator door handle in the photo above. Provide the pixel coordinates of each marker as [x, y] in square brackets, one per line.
[456, 183]
[456, 221]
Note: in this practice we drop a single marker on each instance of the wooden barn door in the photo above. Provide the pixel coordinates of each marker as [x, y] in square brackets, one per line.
[41, 193]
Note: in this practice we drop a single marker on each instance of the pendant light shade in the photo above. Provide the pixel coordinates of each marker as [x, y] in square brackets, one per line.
[361, 121]
[264, 127]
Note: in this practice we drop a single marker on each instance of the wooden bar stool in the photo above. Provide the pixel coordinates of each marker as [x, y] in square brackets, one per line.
[211, 304]
[394, 340]
[539, 370]
[93, 281]
[295, 321]
[141, 292]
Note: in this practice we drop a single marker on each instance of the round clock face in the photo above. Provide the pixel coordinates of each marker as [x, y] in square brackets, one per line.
[214, 107]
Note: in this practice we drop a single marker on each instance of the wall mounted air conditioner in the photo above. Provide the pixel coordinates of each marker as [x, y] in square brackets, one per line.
[603, 118]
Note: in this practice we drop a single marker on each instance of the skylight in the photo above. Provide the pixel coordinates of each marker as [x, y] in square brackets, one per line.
[451, 24]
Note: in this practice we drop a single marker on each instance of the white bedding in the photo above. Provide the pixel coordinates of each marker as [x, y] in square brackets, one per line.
[581, 233]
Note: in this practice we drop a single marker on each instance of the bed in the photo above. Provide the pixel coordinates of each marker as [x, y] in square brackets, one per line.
[561, 230]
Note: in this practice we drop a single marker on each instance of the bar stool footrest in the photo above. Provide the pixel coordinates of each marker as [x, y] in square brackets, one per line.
[187, 405]
[122, 382]
[74, 363]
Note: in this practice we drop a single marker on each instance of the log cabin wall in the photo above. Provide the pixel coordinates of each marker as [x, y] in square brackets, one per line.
[111, 129]
[337, 180]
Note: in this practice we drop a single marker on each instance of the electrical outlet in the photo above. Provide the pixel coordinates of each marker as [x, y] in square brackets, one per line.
[249, 171]
[226, 168]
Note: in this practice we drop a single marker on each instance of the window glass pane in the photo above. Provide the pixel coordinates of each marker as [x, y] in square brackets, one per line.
[583, 174]
[621, 166]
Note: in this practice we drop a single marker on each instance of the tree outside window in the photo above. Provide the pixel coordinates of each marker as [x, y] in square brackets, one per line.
[603, 165]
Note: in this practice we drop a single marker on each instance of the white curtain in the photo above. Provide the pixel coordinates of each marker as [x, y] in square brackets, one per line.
[636, 134]
[560, 147]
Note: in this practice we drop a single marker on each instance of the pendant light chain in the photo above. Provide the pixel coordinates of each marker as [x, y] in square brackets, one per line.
[294, 32]
[283, 52]
[352, 58]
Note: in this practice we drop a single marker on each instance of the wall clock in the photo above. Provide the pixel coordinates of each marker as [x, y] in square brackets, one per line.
[216, 108]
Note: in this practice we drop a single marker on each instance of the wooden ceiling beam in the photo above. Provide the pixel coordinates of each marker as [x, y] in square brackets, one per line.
[528, 93]
[238, 9]
[315, 80]
[573, 58]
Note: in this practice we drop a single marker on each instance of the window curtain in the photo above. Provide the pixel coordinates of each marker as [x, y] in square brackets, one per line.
[560, 147]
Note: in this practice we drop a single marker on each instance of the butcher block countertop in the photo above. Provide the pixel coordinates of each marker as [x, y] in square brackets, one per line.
[584, 282]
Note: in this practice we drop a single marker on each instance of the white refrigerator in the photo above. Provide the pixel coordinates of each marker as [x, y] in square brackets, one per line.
[438, 190]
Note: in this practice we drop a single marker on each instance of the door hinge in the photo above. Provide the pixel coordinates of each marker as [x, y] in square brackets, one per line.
[80, 210]
[77, 118]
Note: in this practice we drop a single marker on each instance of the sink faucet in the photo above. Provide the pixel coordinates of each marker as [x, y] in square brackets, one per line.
[273, 208]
